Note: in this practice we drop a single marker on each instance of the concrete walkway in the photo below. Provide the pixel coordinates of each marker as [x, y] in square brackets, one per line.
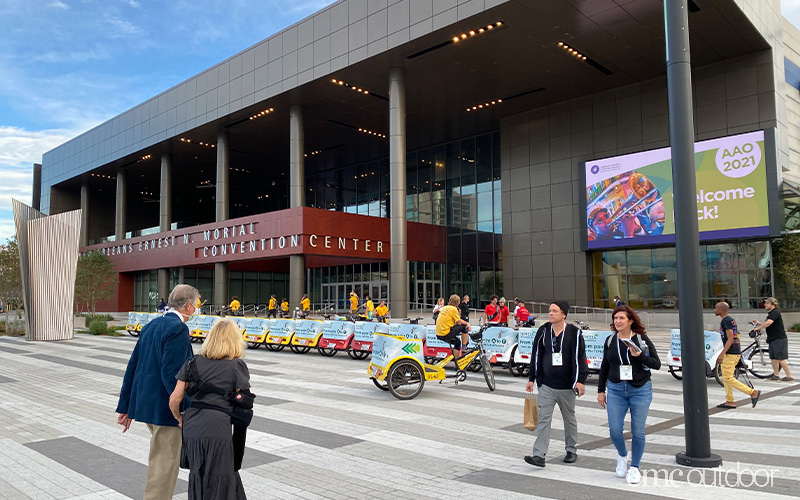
[323, 430]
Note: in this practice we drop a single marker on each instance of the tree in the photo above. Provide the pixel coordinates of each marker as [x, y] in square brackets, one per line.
[95, 280]
[10, 279]
[786, 252]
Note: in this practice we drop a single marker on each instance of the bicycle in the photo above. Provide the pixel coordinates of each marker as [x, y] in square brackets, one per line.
[398, 365]
[755, 359]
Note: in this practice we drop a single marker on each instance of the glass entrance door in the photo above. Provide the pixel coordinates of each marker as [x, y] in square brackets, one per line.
[427, 293]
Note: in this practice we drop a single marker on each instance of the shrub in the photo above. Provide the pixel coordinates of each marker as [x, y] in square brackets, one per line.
[795, 328]
[98, 326]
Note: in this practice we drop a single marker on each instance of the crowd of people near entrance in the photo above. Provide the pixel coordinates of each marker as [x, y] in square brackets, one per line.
[207, 435]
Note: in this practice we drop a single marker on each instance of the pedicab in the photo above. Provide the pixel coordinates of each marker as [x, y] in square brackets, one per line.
[713, 347]
[336, 336]
[307, 333]
[280, 334]
[435, 349]
[204, 325]
[595, 343]
[500, 343]
[363, 336]
[521, 357]
[256, 333]
[398, 364]
[133, 325]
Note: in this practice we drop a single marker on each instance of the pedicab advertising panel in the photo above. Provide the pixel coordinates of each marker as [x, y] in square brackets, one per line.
[204, 325]
[595, 342]
[256, 331]
[388, 349]
[434, 347]
[364, 333]
[499, 343]
[307, 332]
[280, 331]
[242, 323]
[409, 331]
[337, 334]
[524, 345]
[712, 342]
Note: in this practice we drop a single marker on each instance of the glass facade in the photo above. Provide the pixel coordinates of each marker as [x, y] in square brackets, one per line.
[255, 287]
[647, 278]
[145, 291]
[456, 185]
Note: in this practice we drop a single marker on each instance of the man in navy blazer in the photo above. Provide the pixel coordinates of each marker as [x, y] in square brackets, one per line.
[163, 347]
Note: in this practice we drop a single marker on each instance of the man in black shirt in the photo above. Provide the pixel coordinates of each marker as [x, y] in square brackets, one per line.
[730, 356]
[558, 366]
[776, 340]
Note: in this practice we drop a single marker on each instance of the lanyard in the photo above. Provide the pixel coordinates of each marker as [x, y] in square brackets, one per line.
[561, 344]
[627, 354]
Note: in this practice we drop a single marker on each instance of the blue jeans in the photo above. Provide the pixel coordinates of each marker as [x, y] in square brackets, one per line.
[619, 397]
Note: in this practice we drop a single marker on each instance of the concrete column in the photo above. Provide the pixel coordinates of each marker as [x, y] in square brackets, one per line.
[165, 221]
[181, 275]
[121, 214]
[398, 264]
[223, 212]
[36, 194]
[297, 198]
[84, 212]
[220, 284]
[297, 170]
[163, 283]
[223, 174]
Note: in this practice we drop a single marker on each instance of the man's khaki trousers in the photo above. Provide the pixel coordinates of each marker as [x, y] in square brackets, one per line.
[163, 463]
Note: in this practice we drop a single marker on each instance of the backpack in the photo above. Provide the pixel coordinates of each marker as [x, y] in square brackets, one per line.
[242, 412]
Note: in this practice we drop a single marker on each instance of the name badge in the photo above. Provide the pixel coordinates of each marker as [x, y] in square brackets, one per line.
[626, 372]
[557, 359]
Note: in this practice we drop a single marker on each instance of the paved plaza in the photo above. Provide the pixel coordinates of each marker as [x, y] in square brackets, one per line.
[323, 430]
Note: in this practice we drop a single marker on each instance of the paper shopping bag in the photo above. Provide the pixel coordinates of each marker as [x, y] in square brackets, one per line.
[531, 419]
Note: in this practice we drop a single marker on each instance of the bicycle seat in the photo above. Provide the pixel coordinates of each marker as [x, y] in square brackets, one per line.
[476, 335]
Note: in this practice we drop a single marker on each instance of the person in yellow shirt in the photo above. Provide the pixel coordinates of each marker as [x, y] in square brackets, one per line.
[370, 307]
[353, 302]
[450, 327]
[382, 311]
[284, 308]
[272, 308]
[305, 307]
[235, 305]
[199, 306]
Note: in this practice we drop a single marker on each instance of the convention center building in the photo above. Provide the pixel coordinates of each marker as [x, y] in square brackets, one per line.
[410, 149]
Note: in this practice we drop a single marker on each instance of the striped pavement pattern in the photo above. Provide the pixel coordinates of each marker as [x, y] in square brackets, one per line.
[322, 430]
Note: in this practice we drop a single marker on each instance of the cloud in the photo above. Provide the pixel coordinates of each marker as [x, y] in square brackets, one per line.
[19, 150]
[58, 4]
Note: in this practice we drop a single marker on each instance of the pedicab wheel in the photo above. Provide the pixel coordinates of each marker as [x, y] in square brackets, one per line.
[461, 375]
[762, 365]
[405, 379]
[327, 351]
[357, 354]
[676, 372]
[275, 347]
[299, 349]
[718, 374]
[488, 374]
[253, 345]
[384, 386]
[133, 333]
[517, 369]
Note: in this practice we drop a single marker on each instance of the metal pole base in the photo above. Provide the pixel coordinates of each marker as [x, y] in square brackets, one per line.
[713, 460]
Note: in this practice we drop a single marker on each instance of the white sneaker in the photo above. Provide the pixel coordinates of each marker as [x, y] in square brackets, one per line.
[622, 466]
[633, 476]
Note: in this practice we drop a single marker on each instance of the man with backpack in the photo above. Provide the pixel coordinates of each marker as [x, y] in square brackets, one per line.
[492, 312]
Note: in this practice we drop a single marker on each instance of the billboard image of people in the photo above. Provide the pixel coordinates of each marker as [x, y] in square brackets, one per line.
[629, 198]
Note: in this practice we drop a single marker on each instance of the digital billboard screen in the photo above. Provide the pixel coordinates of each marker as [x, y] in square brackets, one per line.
[629, 198]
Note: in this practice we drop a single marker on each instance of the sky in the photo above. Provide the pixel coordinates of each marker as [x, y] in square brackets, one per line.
[69, 65]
